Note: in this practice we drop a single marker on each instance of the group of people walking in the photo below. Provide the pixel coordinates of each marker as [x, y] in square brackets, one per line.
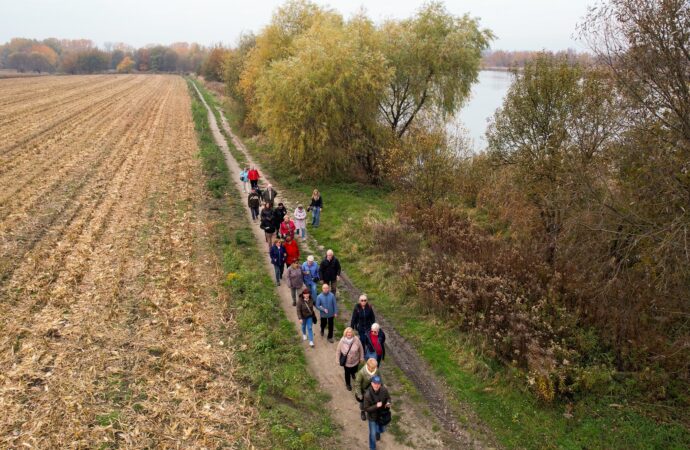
[361, 349]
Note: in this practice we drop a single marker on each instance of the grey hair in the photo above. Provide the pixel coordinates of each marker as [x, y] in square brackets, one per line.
[375, 327]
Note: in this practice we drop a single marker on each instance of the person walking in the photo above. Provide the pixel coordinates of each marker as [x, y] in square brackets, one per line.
[362, 382]
[310, 270]
[300, 216]
[350, 354]
[295, 281]
[363, 317]
[328, 310]
[292, 250]
[244, 178]
[267, 224]
[315, 207]
[254, 202]
[305, 315]
[375, 343]
[287, 227]
[269, 195]
[329, 271]
[279, 213]
[278, 256]
[377, 404]
[253, 176]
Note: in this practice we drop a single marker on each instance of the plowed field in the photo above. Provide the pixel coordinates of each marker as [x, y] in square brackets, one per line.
[109, 321]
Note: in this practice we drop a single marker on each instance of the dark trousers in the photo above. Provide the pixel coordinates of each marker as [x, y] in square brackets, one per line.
[254, 183]
[255, 213]
[350, 373]
[328, 321]
[332, 285]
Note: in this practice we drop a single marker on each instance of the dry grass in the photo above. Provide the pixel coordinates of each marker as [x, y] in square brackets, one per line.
[110, 323]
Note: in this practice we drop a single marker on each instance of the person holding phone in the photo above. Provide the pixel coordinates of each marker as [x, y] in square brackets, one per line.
[377, 404]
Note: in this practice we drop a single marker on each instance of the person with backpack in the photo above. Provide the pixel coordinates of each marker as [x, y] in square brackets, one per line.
[315, 207]
[267, 224]
[278, 256]
[269, 195]
[362, 382]
[328, 310]
[310, 271]
[244, 178]
[375, 343]
[306, 316]
[329, 270]
[295, 281]
[350, 354]
[254, 202]
[363, 317]
[253, 176]
[377, 405]
[300, 216]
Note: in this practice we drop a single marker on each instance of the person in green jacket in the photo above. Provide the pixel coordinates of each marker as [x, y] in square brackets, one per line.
[362, 382]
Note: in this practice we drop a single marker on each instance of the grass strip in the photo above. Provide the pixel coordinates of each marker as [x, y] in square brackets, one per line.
[495, 392]
[272, 362]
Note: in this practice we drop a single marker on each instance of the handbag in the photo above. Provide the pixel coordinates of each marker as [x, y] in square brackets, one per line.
[384, 417]
[343, 358]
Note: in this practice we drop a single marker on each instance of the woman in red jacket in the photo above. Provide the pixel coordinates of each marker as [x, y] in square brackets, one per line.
[292, 250]
[253, 176]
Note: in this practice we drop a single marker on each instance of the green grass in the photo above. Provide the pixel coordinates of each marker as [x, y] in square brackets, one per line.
[496, 393]
[272, 359]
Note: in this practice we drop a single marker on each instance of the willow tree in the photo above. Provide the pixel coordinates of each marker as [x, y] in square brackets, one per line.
[275, 43]
[319, 106]
[435, 57]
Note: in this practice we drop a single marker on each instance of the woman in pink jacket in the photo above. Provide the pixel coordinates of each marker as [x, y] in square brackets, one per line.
[351, 352]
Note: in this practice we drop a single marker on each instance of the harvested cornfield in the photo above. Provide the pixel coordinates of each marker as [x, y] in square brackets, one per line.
[110, 320]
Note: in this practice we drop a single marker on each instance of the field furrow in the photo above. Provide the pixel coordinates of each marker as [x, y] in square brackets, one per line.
[108, 318]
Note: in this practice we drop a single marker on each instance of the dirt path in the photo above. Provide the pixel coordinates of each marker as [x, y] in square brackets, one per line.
[418, 428]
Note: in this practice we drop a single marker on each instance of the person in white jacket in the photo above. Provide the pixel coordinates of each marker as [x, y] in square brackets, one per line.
[300, 217]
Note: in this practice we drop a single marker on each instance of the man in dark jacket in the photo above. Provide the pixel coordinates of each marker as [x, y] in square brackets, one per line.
[362, 317]
[329, 271]
[269, 195]
[278, 256]
[376, 403]
[254, 203]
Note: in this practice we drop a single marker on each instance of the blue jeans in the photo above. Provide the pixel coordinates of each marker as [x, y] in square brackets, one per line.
[315, 216]
[278, 271]
[312, 287]
[306, 328]
[303, 232]
[373, 429]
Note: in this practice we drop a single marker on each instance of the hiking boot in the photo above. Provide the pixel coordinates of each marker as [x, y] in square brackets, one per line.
[363, 415]
[349, 388]
[378, 436]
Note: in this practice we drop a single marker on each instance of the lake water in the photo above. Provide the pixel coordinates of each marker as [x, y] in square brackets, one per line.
[487, 95]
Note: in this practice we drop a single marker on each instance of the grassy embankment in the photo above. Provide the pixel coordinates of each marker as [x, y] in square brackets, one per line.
[272, 364]
[497, 393]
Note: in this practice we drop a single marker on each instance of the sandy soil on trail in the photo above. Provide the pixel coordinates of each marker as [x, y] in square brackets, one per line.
[415, 419]
[109, 320]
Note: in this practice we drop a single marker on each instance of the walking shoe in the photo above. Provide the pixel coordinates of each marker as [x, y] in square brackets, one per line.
[304, 337]
[293, 303]
[330, 340]
[363, 415]
[311, 343]
[349, 388]
[378, 436]
[321, 333]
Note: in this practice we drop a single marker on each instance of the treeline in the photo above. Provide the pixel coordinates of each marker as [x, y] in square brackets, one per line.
[513, 59]
[78, 56]
[564, 247]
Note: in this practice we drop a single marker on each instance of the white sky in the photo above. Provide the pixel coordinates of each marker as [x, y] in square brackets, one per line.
[518, 24]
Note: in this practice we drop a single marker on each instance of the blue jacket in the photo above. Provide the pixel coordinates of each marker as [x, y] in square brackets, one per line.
[312, 272]
[327, 301]
[278, 255]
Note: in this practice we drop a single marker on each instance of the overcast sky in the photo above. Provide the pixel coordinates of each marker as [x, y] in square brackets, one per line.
[518, 24]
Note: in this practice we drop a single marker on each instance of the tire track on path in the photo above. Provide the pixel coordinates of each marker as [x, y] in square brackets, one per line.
[435, 391]
[322, 358]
